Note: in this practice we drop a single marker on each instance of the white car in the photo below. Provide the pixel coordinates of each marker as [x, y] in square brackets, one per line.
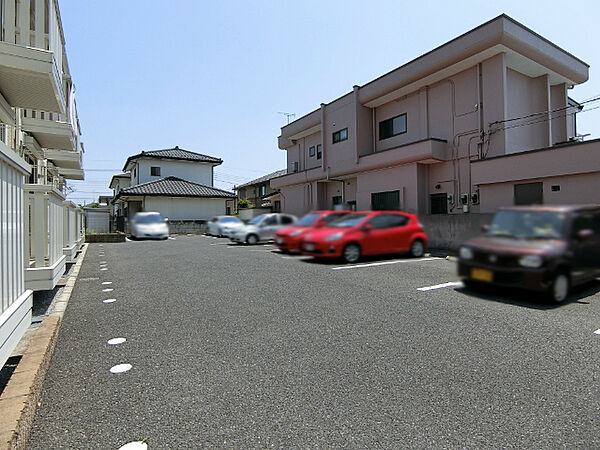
[223, 225]
[149, 225]
[262, 228]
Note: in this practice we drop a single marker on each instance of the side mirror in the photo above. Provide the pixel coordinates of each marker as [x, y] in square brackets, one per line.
[585, 234]
[485, 228]
[366, 228]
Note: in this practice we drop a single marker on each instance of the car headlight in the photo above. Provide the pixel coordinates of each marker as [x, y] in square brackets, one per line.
[531, 261]
[334, 237]
[465, 253]
[296, 233]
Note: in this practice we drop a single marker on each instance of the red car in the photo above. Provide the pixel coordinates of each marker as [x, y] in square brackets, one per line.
[367, 233]
[288, 239]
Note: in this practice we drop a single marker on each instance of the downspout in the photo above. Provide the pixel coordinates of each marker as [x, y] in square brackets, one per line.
[323, 152]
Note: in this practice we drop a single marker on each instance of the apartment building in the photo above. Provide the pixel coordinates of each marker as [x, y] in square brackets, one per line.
[482, 121]
[40, 150]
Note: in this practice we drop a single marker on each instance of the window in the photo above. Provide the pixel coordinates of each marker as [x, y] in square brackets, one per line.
[341, 135]
[243, 193]
[381, 201]
[286, 220]
[311, 151]
[263, 190]
[270, 221]
[277, 206]
[439, 203]
[337, 202]
[529, 194]
[32, 15]
[155, 171]
[319, 152]
[392, 127]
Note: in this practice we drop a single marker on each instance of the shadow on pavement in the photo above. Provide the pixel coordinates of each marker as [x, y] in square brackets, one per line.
[530, 299]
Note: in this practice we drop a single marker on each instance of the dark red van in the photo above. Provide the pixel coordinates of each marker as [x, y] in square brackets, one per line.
[542, 248]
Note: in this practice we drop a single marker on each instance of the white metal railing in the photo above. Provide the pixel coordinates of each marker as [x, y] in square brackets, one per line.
[44, 222]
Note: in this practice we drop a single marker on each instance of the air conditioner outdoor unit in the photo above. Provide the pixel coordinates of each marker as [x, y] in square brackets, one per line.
[294, 166]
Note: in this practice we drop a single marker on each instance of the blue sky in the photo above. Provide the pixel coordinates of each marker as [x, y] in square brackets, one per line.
[212, 77]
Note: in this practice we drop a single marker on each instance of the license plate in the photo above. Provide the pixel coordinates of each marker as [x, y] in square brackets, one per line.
[482, 275]
[309, 247]
[279, 241]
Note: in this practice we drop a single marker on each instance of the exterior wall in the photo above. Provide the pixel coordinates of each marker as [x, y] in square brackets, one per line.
[175, 208]
[294, 199]
[526, 96]
[339, 115]
[186, 170]
[15, 300]
[574, 189]
[403, 179]
[494, 91]
[559, 124]
[97, 220]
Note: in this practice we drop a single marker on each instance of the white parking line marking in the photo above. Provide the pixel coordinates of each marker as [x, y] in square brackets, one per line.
[597, 332]
[270, 251]
[106, 283]
[384, 263]
[440, 286]
[109, 300]
[116, 341]
[136, 445]
[221, 243]
[108, 290]
[120, 368]
[297, 258]
[103, 268]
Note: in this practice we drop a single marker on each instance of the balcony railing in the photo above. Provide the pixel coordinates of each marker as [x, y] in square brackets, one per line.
[44, 235]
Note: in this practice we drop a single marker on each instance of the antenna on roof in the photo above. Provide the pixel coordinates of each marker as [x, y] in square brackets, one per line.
[287, 115]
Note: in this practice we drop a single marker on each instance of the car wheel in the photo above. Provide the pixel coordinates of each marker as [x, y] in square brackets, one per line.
[351, 253]
[252, 239]
[559, 288]
[417, 249]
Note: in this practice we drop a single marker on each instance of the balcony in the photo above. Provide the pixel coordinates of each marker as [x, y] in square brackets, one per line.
[31, 78]
[44, 234]
[72, 231]
[48, 132]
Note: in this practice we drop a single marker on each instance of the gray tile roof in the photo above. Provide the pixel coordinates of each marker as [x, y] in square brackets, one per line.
[275, 174]
[174, 187]
[174, 153]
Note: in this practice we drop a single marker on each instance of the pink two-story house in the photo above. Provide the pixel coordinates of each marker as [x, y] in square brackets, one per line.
[482, 121]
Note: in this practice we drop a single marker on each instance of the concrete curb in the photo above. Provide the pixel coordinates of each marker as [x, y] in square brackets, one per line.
[19, 400]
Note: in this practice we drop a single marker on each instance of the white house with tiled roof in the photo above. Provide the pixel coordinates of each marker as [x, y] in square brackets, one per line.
[177, 183]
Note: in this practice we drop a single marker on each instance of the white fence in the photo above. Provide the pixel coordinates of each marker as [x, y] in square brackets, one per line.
[16, 302]
[44, 224]
[70, 237]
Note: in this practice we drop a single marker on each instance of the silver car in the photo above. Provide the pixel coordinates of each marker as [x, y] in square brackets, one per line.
[262, 228]
[223, 225]
[149, 225]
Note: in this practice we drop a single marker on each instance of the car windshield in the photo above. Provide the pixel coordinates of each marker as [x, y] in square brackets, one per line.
[348, 221]
[149, 218]
[307, 220]
[230, 220]
[256, 219]
[528, 225]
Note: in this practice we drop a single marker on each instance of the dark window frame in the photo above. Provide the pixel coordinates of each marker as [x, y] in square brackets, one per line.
[389, 123]
[311, 151]
[337, 135]
[382, 201]
[319, 151]
[154, 172]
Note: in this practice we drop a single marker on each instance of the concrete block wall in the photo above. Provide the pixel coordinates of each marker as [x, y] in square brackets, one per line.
[448, 231]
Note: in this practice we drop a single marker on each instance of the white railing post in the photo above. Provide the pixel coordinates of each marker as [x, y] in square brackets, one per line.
[39, 228]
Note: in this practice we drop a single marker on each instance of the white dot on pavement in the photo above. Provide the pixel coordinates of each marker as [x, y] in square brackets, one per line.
[108, 290]
[109, 300]
[106, 283]
[138, 445]
[120, 368]
[103, 268]
[116, 341]
[597, 332]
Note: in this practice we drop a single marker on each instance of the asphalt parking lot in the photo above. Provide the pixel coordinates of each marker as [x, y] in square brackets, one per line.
[235, 346]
